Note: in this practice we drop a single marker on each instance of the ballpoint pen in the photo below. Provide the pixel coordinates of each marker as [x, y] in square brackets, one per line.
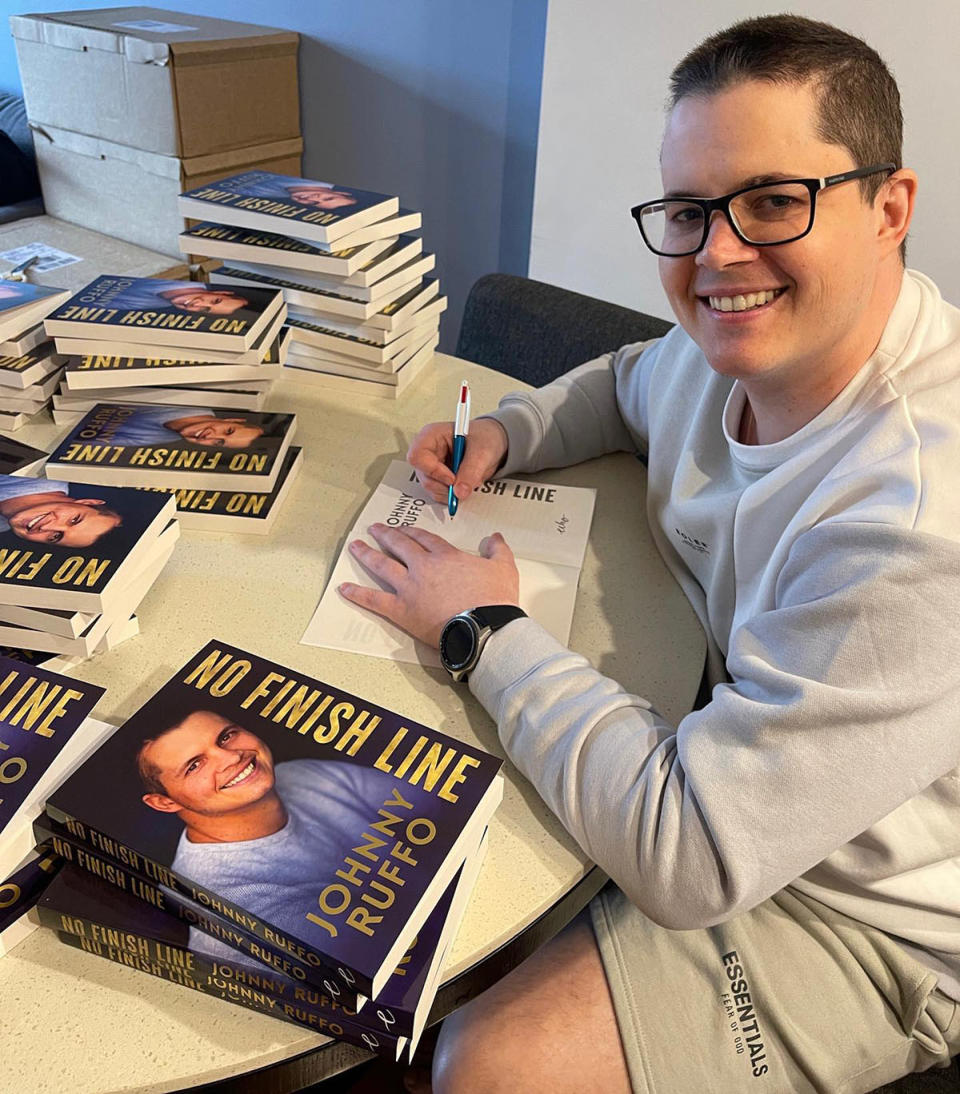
[461, 427]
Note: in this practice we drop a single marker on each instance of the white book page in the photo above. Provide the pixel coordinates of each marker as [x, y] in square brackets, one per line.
[546, 526]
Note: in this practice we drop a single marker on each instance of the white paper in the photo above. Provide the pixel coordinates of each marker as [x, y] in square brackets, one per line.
[546, 526]
[48, 258]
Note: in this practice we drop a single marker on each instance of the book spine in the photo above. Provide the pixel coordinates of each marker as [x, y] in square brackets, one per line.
[222, 980]
[202, 914]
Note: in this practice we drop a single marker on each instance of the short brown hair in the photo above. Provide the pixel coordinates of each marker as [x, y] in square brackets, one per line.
[857, 97]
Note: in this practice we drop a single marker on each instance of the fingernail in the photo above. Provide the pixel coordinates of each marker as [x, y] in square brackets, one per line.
[356, 544]
[346, 588]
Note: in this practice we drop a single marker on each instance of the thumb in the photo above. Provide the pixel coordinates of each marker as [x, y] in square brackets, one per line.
[495, 547]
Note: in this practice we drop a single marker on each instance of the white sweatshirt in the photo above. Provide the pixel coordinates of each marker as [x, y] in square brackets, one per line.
[825, 569]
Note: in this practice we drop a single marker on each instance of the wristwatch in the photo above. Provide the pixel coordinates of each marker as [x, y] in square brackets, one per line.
[463, 637]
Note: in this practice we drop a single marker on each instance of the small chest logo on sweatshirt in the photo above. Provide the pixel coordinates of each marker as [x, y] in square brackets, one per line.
[692, 543]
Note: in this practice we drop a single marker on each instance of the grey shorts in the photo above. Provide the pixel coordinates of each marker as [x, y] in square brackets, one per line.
[789, 998]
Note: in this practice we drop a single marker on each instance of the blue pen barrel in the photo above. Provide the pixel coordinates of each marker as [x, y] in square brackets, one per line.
[459, 444]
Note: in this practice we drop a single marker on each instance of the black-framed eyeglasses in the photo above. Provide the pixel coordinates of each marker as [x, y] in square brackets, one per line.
[762, 216]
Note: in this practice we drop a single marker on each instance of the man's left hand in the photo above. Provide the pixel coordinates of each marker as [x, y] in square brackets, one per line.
[431, 579]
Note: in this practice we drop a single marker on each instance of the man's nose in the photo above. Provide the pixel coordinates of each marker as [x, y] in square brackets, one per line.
[723, 247]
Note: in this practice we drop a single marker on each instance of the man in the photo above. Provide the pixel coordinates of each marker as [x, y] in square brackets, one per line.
[319, 196]
[266, 836]
[797, 838]
[201, 298]
[42, 511]
[161, 425]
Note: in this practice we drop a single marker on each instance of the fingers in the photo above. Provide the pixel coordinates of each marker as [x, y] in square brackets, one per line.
[429, 453]
[380, 565]
[408, 544]
[374, 600]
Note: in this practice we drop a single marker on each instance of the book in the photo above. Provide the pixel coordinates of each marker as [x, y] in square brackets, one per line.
[363, 349]
[20, 459]
[375, 385]
[19, 894]
[271, 249]
[343, 305]
[344, 364]
[379, 335]
[23, 305]
[269, 348]
[13, 420]
[99, 628]
[191, 447]
[293, 206]
[234, 394]
[237, 511]
[40, 711]
[24, 343]
[362, 283]
[546, 526]
[23, 370]
[113, 308]
[338, 823]
[38, 392]
[64, 547]
[405, 220]
[94, 371]
[81, 904]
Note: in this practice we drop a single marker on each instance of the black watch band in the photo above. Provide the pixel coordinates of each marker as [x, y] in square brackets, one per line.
[464, 636]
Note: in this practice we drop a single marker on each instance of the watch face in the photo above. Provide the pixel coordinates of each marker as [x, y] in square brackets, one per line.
[457, 643]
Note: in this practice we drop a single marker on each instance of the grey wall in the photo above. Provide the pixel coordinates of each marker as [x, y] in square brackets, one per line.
[434, 100]
[604, 84]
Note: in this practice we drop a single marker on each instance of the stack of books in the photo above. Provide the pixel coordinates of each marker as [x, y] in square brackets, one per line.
[30, 367]
[46, 732]
[229, 469]
[147, 340]
[364, 316]
[75, 563]
[276, 842]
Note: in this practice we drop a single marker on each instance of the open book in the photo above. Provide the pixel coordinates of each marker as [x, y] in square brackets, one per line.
[546, 527]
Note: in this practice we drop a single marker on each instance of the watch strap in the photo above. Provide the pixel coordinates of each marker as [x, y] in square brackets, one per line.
[496, 616]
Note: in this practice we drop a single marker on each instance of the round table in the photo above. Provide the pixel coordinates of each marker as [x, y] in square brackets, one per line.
[72, 1021]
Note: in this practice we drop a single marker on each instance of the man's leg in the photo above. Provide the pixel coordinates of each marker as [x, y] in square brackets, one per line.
[547, 1026]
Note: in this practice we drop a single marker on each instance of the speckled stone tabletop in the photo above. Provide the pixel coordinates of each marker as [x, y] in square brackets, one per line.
[73, 1022]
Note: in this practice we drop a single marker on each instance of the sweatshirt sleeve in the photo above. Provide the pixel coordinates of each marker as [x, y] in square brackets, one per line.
[596, 408]
[843, 704]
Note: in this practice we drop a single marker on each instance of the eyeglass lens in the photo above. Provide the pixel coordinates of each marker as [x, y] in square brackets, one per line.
[765, 214]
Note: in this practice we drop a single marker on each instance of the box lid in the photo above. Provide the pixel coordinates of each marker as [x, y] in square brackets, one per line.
[147, 35]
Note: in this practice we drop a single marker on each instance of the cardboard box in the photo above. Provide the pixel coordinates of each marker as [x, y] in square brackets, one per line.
[83, 254]
[162, 81]
[132, 194]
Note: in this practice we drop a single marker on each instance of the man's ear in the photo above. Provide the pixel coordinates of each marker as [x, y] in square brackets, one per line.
[161, 803]
[89, 501]
[895, 203]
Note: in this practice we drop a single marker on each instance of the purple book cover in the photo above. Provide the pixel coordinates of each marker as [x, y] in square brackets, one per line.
[59, 536]
[39, 712]
[14, 294]
[292, 201]
[270, 241]
[141, 304]
[334, 823]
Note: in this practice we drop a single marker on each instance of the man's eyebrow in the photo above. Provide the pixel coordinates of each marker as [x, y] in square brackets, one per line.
[752, 180]
[187, 763]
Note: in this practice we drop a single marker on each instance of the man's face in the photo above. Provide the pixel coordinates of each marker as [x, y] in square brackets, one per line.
[209, 301]
[210, 766]
[70, 522]
[320, 197]
[220, 432]
[826, 313]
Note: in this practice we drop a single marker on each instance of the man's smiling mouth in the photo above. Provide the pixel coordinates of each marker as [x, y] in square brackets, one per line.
[743, 301]
[245, 773]
[34, 521]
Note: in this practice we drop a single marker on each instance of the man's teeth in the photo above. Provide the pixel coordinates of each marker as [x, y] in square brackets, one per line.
[248, 770]
[743, 303]
[31, 523]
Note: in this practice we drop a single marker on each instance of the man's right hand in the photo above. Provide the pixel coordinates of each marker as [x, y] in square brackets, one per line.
[431, 450]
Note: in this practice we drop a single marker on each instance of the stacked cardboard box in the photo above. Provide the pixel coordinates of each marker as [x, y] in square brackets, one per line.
[130, 106]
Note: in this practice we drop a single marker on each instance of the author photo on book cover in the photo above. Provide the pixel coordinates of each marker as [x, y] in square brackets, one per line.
[318, 195]
[783, 914]
[187, 296]
[51, 512]
[266, 835]
[204, 426]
